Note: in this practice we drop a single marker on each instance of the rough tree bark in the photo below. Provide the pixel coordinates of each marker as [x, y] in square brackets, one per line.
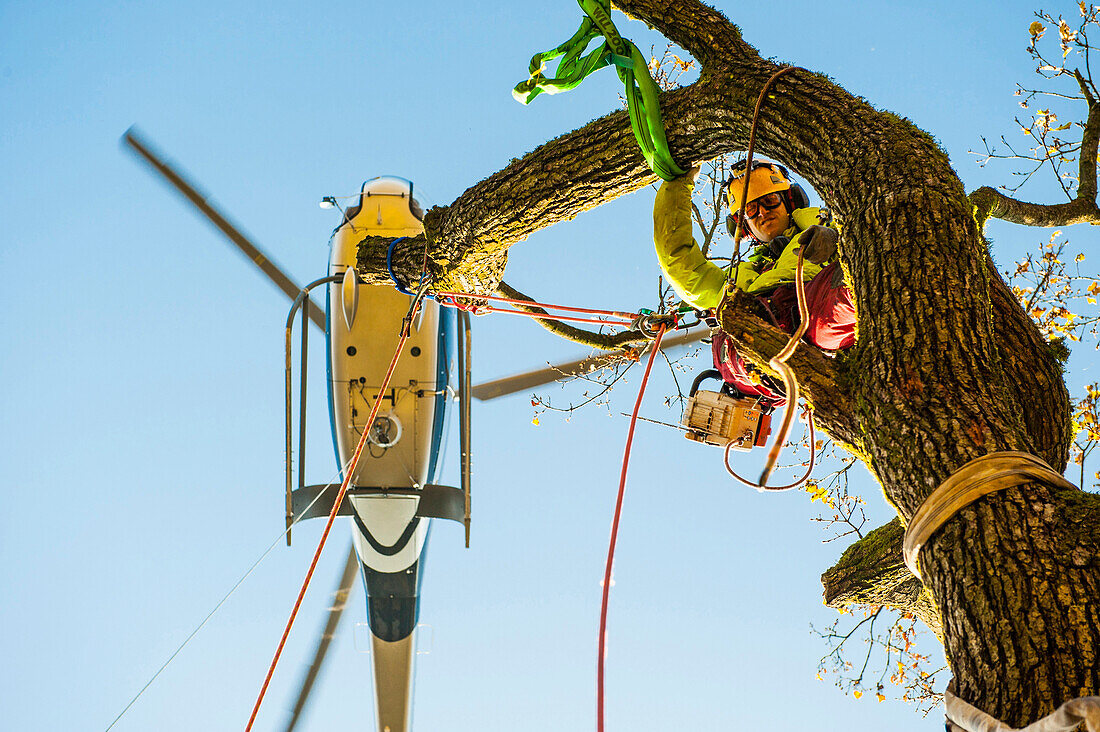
[947, 367]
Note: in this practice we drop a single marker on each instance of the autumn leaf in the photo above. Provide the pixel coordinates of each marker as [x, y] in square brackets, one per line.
[857, 693]
[1036, 30]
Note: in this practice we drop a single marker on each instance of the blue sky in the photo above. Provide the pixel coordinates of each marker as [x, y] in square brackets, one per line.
[142, 367]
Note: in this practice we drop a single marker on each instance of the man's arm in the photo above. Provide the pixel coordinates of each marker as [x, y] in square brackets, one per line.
[697, 280]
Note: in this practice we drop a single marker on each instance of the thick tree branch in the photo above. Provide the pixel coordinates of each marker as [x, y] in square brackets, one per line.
[819, 377]
[872, 571]
[697, 28]
[989, 202]
[800, 125]
[1090, 137]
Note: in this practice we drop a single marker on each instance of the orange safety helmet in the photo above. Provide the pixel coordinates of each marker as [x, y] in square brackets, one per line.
[764, 178]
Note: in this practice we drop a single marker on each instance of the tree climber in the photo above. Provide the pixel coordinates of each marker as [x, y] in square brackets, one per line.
[780, 221]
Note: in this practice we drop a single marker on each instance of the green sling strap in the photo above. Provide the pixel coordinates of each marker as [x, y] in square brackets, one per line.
[641, 91]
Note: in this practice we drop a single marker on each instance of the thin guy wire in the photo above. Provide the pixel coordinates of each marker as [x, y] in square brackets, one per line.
[218, 606]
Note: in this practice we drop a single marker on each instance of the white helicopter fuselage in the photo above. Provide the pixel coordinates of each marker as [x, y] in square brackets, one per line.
[404, 443]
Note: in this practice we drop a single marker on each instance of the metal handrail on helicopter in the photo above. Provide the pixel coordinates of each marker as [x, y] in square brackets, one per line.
[436, 501]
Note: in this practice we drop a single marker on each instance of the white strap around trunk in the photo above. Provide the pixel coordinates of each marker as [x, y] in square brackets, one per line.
[962, 717]
[982, 476]
[979, 477]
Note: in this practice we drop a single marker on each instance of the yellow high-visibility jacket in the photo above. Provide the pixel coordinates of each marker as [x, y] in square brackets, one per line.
[702, 283]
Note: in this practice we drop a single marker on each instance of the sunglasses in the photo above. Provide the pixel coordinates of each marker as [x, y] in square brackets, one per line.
[769, 202]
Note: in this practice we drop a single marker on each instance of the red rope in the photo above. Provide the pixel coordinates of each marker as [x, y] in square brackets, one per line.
[328, 526]
[484, 309]
[450, 299]
[615, 530]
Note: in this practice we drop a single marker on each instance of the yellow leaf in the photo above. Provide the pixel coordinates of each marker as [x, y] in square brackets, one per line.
[535, 421]
[857, 693]
[1091, 300]
[1036, 29]
[881, 698]
[1080, 258]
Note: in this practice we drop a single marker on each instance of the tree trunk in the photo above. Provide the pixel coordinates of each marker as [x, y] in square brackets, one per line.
[947, 366]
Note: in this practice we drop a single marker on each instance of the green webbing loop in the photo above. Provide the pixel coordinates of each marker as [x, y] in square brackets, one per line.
[631, 66]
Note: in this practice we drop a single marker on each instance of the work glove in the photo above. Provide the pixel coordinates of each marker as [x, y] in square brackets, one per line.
[818, 243]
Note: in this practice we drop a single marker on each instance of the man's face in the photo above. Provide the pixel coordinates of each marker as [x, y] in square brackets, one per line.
[768, 217]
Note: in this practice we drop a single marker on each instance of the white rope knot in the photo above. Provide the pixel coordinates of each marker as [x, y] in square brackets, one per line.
[979, 477]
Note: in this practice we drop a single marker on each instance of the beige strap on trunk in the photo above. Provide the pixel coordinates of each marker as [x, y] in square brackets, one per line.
[979, 477]
[963, 717]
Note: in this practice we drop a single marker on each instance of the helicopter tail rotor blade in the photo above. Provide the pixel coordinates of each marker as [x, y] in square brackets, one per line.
[250, 250]
[331, 623]
[531, 379]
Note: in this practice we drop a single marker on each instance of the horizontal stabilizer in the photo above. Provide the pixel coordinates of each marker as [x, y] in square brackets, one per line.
[436, 501]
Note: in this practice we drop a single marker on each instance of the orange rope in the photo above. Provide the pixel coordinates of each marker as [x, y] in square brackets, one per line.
[762, 486]
[615, 530]
[748, 162]
[779, 363]
[790, 384]
[328, 526]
